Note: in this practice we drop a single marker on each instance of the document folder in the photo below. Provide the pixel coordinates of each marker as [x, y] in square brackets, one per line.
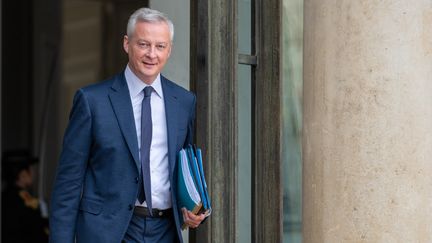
[192, 191]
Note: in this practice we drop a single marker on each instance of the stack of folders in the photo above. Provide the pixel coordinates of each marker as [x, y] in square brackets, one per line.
[192, 191]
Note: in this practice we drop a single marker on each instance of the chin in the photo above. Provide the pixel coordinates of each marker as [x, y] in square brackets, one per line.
[149, 74]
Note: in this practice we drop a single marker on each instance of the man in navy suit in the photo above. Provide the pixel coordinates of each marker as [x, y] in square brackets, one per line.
[115, 180]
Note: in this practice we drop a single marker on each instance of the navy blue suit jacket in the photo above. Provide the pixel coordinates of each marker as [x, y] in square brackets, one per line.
[97, 176]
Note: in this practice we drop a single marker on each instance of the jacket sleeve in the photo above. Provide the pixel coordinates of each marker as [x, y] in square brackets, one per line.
[65, 198]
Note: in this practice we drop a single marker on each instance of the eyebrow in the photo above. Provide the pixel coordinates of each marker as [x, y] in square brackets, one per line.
[157, 42]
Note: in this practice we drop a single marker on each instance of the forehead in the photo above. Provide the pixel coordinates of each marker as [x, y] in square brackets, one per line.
[152, 31]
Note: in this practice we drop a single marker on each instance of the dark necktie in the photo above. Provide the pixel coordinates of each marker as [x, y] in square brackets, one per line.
[146, 137]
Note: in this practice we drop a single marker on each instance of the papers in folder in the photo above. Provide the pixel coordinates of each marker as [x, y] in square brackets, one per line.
[192, 191]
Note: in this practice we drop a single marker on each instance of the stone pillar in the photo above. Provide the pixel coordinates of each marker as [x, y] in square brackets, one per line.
[367, 147]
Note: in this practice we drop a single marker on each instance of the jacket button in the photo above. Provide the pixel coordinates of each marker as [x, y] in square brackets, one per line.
[137, 179]
[130, 207]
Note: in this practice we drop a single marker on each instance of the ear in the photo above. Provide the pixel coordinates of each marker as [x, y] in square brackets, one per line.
[170, 49]
[126, 44]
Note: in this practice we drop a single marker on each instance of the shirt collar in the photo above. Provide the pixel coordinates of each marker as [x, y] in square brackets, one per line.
[136, 86]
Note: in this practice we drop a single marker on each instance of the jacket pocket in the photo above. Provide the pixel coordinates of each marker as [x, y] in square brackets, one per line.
[91, 206]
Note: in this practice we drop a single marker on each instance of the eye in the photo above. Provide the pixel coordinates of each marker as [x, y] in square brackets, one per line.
[144, 45]
[161, 46]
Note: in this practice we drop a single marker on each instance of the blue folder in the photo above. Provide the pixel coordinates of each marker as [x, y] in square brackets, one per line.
[192, 191]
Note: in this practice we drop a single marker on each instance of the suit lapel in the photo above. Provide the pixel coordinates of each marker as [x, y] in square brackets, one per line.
[171, 109]
[121, 103]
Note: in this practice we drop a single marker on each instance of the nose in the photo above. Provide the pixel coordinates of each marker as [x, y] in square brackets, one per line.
[151, 52]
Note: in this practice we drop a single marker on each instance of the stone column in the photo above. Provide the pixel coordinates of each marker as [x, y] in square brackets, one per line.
[367, 146]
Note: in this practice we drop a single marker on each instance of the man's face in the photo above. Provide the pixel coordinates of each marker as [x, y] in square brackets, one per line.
[148, 49]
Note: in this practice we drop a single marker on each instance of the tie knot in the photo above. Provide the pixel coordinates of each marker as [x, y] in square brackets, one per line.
[147, 91]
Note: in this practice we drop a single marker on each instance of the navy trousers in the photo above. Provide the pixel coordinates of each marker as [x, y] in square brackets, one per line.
[151, 230]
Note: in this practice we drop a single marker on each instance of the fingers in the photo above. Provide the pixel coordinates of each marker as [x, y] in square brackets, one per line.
[191, 219]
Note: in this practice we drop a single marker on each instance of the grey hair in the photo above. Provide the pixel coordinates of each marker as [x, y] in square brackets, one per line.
[150, 16]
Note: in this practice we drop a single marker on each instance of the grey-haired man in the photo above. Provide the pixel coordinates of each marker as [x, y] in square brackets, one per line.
[115, 179]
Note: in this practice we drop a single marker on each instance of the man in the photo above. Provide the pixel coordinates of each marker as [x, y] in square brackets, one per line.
[115, 180]
[22, 220]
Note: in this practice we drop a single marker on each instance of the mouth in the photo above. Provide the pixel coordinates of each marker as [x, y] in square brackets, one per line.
[149, 64]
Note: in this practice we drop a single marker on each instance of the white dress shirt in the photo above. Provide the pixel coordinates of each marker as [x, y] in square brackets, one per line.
[159, 167]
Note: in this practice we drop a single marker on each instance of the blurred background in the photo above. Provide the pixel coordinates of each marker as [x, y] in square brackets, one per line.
[51, 48]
